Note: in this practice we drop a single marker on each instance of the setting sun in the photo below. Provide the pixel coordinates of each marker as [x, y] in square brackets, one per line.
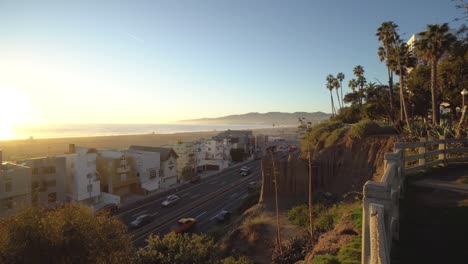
[15, 110]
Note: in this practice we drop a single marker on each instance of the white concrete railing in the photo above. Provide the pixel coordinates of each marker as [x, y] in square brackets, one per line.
[380, 225]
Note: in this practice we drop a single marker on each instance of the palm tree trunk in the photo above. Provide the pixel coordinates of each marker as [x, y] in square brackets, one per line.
[402, 98]
[342, 98]
[390, 88]
[338, 96]
[333, 105]
[275, 179]
[435, 107]
[310, 197]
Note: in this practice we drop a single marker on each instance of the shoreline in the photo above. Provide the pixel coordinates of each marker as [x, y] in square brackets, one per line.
[42, 147]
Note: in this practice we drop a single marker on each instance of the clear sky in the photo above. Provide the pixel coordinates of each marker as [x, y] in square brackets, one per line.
[165, 60]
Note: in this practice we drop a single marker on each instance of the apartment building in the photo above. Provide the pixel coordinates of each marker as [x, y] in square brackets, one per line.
[15, 187]
[186, 157]
[147, 168]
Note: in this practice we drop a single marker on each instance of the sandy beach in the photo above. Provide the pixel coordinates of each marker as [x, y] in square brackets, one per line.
[28, 148]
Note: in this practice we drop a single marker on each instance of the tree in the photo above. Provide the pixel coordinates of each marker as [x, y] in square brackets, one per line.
[178, 249]
[434, 42]
[352, 84]
[70, 234]
[361, 80]
[340, 76]
[386, 35]
[336, 85]
[330, 87]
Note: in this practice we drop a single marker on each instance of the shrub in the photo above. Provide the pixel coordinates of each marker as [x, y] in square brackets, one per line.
[356, 218]
[319, 132]
[351, 252]
[348, 114]
[325, 222]
[364, 128]
[299, 215]
[325, 259]
[335, 135]
[240, 260]
[294, 251]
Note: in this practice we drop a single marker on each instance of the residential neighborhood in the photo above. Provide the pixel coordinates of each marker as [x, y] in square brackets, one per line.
[99, 177]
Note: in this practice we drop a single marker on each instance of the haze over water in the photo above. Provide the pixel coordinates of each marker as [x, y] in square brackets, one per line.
[90, 130]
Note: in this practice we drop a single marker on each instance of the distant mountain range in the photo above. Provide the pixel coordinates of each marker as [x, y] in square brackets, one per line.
[277, 118]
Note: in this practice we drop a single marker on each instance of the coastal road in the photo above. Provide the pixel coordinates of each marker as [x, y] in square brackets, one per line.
[202, 201]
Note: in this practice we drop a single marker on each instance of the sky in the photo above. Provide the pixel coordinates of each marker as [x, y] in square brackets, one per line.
[161, 61]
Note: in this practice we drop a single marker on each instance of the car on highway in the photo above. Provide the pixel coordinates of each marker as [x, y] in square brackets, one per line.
[109, 209]
[184, 225]
[245, 171]
[252, 185]
[244, 168]
[195, 179]
[141, 220]
[171, 199]
[223, 216]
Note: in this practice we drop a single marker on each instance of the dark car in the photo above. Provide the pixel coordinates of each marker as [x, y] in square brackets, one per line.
[223, 216]
[252, 186]
[110, 209]
[141, 221]
[245, 173]
[195, 179]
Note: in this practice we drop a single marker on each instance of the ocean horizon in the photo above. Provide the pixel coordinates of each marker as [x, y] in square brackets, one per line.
[93, 130]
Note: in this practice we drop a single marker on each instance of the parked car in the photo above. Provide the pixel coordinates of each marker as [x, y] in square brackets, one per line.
[223, 216]
[109, 209]
[171, 199]
[141, 220]
[184, 225]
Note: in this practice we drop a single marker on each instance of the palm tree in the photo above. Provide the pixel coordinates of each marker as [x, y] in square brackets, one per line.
[435, 41]
[340, 76]
[330, 79]
[336, 85]
[386, 35]
[275, 180]
[361, 80]
[352, 84]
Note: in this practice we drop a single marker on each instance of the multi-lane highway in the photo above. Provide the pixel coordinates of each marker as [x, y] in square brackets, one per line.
[202, 201]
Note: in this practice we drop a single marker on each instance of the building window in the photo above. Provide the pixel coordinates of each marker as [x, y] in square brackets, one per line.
[8, 186]
[153, 174]
[8, 203]
[90, 188]
[89, 175]
[123, 162]
[52, 197]
[49, 170]
[51, 183]
[123, 177]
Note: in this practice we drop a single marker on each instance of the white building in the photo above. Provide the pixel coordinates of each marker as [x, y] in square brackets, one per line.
[148, 166]
[15, 187]
[168, 163]
[218, 149]
[186, 157]
[82, 183]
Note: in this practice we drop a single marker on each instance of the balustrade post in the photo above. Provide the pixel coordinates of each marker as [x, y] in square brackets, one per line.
[443, 147]
[422, 150]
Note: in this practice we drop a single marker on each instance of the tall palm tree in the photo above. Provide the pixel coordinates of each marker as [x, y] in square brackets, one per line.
[330, 79]
[352, 84]
[340, 76]
[361, 80]
[336, 85]
[435, 41]
[386, 34]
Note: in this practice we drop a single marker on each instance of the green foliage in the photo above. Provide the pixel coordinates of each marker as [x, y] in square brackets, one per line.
[179, 249]
[237, 154]
[295, 250]
[356, 217]
[325, 259]
[351, 252]
[187, 173]
[365, 128]
[418, 130]
[70, 234]
[299, 215]
[240, 260]
[319, 133]
[325, 222]
[335, 135]
[349, 114]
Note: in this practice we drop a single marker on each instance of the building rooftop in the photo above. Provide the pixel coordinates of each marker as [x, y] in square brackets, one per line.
[164, 152]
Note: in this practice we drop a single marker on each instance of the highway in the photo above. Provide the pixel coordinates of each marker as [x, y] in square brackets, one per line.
[202, 201]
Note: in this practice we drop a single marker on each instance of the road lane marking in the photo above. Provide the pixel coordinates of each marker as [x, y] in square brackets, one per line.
[224, 182]
[185, 194]
[198, 216]
[196, 195]
[245, 196]
[214, 182]
[142, 212]
[213, 217]
[232, 196]
[155, 214]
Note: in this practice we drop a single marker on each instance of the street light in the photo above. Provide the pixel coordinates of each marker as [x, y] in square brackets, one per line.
[463, 93]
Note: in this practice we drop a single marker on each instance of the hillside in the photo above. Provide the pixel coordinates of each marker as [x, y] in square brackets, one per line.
[277, 118]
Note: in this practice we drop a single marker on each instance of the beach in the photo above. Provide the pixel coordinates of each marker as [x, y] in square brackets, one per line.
[29, 148]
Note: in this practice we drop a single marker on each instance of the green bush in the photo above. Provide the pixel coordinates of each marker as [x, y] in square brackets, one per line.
[295, 250]
[335, 135]
[299, 215]
[364, 128]
[348, 114]
[320, 132]
[325, 222]
[356, 218]
[351, 252]
[325, 259]
[240, 260]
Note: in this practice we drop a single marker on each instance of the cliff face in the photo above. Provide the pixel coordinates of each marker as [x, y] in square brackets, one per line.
[343, 167]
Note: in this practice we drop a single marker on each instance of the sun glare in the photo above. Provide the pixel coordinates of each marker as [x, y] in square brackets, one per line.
[15, 109]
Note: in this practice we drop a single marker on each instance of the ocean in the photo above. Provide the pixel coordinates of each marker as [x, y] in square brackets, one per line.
[91, 130]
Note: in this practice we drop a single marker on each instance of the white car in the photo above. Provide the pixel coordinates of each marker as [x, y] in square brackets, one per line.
[171, 199]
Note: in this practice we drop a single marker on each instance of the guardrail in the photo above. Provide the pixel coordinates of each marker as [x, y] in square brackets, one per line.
[380, 225]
